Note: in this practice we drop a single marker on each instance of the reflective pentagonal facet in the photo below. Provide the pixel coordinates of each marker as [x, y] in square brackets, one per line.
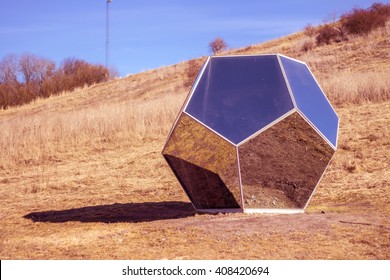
[256, 133]
[310, 99]
[205, 165]
[237, 96]
[281, 166]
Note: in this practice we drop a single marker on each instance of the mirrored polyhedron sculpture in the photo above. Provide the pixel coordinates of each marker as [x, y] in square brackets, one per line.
[255, 134]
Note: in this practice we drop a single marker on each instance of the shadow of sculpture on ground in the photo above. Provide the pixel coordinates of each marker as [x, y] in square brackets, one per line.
[117, 213]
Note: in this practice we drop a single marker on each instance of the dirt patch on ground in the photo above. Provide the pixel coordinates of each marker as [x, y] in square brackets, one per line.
[172, 230]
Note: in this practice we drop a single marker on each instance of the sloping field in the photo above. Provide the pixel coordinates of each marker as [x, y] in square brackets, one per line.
[82, 177]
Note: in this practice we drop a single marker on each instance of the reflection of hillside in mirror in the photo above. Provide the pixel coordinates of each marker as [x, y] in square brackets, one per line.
[205, 188]
[281, 166]
[205, 164]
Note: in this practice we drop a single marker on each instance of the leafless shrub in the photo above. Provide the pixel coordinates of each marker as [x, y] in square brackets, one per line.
[329, 33]
[307, 45]
[310, 30]
[363, 21]
[217, 45]
[77, 73]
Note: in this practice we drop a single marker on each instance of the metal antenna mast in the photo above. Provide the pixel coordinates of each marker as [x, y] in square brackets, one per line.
[108, 32]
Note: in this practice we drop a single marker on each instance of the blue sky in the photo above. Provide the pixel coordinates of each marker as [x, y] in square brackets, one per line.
[152, 33]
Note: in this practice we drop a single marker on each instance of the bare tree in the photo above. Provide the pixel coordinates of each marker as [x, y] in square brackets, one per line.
[217, 45]
[9, 69]
[25, 78]
[9, 83]
[34, 72]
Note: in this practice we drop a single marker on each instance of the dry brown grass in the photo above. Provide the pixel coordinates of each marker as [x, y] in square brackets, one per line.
[347, 88]
[87, 164]
[35, 139]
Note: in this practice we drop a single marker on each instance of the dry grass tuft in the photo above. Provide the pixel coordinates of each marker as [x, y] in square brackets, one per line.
[346, 87]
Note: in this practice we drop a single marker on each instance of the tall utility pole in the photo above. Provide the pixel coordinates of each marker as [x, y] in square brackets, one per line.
[108, 32]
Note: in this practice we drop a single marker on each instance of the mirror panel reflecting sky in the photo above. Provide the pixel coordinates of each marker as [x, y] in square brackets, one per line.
[310, 99]
[237, 96]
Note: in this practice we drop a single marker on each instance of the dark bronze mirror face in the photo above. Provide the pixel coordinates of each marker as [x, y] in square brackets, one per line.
[281, 166]
[255, 133]
[205, 165]
[205, 189]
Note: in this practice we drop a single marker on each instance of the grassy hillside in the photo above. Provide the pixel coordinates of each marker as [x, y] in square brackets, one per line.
[81, 174]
